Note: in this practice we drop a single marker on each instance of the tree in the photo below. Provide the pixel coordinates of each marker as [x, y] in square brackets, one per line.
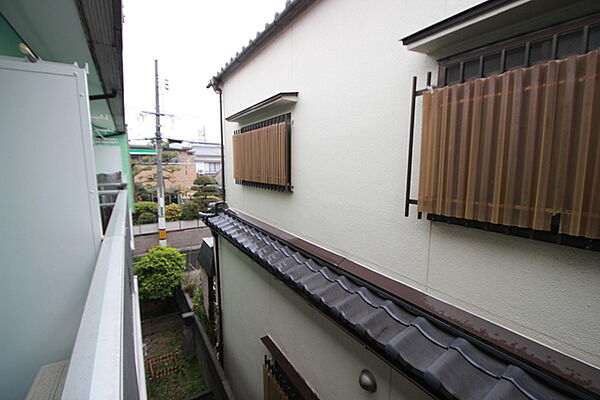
[148, 163]
[159, 272]
[206, 191]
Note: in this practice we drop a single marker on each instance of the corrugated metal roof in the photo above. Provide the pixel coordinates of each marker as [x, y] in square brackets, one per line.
[102, 22]
[447, 363]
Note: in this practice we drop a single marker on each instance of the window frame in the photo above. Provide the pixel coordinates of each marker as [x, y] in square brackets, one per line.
[552, 33]
[287, 118]
[549, 33]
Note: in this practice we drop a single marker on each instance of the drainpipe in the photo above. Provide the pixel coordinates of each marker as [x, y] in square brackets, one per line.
[215, 84]
[216, 208]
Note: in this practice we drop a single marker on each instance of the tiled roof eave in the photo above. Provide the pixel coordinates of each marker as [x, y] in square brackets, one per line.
[410, 340]
[292, 10]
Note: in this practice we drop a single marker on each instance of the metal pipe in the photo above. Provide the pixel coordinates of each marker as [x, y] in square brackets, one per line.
[222, 143]
[220, 346]
[411, 135]
[108, 192]
[110, 95]
[215, 84]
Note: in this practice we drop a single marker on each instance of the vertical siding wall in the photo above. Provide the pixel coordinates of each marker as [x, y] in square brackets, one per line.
[349, 143]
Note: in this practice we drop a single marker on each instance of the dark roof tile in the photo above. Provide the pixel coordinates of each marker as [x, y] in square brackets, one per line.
[448, 363]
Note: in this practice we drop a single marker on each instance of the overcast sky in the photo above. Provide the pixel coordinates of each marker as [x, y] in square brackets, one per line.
[192, 40]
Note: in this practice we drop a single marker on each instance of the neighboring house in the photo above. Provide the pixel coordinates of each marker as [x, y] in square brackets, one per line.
[180, 170]
[481, 281]
[68, 300]
[208, 158]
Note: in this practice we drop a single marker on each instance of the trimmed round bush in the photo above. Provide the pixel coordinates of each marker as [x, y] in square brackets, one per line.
[159, 272]
[190, 210]
[142, 207]
[146, 218]
[204, 180]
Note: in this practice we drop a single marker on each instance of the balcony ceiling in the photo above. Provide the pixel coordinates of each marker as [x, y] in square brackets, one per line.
[68, 31]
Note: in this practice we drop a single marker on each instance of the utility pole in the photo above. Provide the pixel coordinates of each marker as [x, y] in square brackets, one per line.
[162, 225]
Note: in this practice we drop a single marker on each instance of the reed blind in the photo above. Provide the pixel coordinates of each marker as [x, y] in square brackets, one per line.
[517, 149]
[261, 155]
[272, 390]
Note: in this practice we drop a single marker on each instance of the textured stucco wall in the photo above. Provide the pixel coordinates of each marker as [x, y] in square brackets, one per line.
[349, 144]
[327, 358]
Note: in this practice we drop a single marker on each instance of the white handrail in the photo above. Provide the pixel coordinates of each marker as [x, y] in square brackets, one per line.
[96, 365]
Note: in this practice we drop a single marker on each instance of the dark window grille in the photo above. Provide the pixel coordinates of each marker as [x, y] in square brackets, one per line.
[280, 187]
[277, 382]
[560, 41]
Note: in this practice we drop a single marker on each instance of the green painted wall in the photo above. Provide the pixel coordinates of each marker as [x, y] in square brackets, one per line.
[9, 39]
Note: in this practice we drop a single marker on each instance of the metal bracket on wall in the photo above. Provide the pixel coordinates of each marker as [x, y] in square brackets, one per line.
[411, 137]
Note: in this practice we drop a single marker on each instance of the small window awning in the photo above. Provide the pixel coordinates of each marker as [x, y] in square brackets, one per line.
[279, 102]
[493, 21]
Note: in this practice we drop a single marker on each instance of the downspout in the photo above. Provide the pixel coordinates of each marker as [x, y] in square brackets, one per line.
[218, 207]
[215, 84]
[219, 304]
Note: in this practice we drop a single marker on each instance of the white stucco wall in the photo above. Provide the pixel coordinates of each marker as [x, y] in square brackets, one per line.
[349, 145]
[328, 359]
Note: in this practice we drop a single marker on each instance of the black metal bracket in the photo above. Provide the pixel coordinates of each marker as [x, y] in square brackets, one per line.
[411, 139]
[110, 95]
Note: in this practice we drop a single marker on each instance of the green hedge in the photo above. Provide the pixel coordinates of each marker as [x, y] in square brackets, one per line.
[143, 207]
[159, 272]
[146, 218]
[190, 210]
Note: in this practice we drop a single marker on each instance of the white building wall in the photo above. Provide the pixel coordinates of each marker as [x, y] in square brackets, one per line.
[354, 77]
[49, 216]
[328, 359]
[108, 158]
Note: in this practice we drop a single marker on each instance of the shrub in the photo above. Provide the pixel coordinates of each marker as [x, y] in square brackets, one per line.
[173, 212]
[204, 180]
[205, 190]
[159, 272]
[198, 306]
[146, 218]
[190, 210]
[142, 207]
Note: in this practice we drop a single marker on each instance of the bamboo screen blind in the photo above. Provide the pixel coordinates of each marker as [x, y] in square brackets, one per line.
[262, 156]
[517, 149]
[272, 389]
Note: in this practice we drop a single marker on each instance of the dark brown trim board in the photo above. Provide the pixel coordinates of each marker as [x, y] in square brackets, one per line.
[290, 96]
[289, 370]
[454, 20]
[561, 365]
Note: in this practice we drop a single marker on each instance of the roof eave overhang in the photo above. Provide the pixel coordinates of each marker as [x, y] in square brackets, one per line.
[292, 10]
[560, 371]
[493, 21]
[103, 26]
[278, 101]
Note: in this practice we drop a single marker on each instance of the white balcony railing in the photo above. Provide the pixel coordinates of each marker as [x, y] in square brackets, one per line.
[107, 360]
